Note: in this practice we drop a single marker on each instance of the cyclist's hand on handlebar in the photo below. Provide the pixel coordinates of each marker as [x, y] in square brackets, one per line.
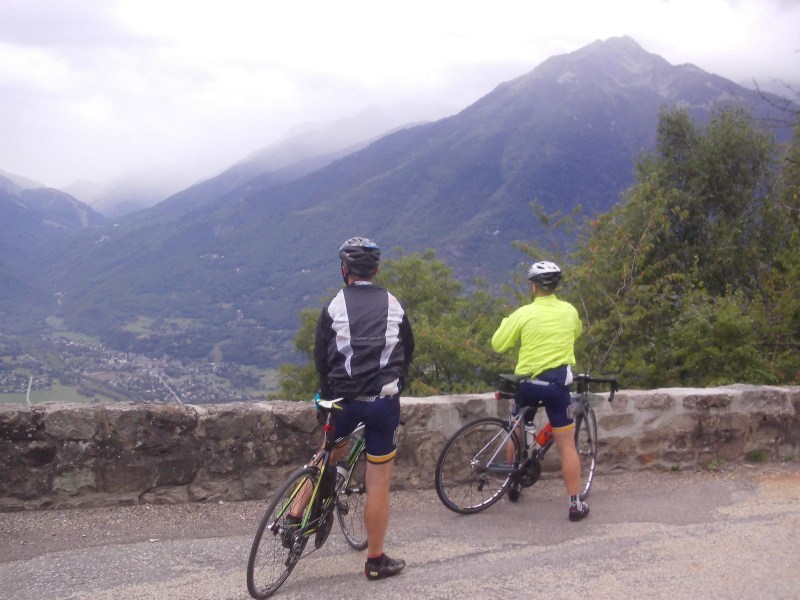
[320, 415]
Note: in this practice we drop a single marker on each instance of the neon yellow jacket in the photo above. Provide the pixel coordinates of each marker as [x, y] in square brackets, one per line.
[545, 329]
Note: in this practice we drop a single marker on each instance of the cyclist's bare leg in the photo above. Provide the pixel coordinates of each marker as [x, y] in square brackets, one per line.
[570, 462]
[338, 453]
[510, 449]
[301, 500]
[376, 511]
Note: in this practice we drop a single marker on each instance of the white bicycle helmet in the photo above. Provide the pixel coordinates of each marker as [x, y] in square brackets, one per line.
[545, 273]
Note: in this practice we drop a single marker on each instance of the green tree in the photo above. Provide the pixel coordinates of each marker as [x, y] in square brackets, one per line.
[300, 381]
[672, 281]
[452, 329]
[778, 305]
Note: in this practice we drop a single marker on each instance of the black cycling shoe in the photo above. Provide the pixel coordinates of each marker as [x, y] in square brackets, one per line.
[388, 567]
[578, 510]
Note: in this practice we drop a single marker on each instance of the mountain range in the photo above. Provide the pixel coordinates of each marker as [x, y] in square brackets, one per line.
[226, 264]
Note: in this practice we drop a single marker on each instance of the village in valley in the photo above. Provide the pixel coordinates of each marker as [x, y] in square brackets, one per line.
[62, 369]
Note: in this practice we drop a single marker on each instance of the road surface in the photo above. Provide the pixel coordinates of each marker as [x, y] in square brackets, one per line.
[727, 534]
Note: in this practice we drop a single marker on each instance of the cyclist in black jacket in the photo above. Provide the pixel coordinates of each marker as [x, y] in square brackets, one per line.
[363, 348]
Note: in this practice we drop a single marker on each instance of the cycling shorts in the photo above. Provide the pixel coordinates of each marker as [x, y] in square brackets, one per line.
[381, 418]
[549, 389]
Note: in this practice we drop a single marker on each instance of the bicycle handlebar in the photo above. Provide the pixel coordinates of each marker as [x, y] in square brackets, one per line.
[583, 379]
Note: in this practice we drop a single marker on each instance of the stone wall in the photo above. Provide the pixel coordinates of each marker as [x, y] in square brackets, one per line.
[70, 455]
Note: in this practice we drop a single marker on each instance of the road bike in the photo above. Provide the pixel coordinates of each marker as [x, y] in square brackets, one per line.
[311, 495]
[490, 457]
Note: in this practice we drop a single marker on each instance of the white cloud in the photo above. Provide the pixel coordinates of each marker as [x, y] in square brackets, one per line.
[92, 88]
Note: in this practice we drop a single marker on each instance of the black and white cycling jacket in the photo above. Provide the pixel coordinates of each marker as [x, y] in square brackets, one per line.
[363, 341]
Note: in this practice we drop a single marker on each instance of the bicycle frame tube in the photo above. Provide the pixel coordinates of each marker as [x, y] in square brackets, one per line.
[358, 445]
[313, 506]
[309, 513]
[290, 501]
[502, 467]
[357, 437]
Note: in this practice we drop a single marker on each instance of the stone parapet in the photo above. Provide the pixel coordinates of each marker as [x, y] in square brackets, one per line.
[74, 455]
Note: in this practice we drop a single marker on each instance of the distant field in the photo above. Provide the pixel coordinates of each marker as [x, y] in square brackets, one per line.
[60, 331]
[58, 393]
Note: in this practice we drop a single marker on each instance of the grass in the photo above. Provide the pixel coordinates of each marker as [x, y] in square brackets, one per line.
[57, 324]
[57, 393]
[141, 325]
[756, 456]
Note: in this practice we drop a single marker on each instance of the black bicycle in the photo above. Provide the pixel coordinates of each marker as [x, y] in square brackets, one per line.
[311, 496]
[490, 456]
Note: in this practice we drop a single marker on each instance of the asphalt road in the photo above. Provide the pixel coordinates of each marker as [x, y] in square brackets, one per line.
[733, 533]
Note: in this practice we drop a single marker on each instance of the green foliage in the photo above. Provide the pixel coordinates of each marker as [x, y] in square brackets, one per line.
[452, 330]
[297, 382]
[693, 280]
[300, 381]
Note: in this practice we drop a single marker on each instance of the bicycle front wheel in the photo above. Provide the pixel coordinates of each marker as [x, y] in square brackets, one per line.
[277, 546]
[586, 444]
[475, 467]
[350, 503]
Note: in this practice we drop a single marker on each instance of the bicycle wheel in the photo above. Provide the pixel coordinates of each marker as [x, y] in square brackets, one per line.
[350, 504]
[586, 444]
[475, 466]
[276, 549]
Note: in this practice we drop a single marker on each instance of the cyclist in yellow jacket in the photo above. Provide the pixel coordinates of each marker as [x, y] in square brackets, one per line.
[546, 330]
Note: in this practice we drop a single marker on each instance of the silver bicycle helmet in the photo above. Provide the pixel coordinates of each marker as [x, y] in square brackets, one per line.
[361, 255]
[545, 273]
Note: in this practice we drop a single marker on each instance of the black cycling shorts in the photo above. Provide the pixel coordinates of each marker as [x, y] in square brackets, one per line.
[381, 418]
[548, 389]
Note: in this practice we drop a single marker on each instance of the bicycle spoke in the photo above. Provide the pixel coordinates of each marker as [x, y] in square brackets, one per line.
[350, 503]
[475, 466]
[277, 545]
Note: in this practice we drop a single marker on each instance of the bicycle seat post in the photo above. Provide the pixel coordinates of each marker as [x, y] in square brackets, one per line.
[327, 407]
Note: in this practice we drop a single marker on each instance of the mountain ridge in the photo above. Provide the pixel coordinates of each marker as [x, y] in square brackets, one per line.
[245, 260]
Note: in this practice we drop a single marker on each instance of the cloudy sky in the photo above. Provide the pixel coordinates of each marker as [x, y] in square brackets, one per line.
[93, 89]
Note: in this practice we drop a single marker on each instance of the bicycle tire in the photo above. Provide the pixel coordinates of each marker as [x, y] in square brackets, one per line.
[350, 504]
[464, 484]
[586, 445]
[325, 506]
[270, 562]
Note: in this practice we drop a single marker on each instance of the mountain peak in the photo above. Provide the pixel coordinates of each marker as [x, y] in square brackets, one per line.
[617, 57]
[622, 44]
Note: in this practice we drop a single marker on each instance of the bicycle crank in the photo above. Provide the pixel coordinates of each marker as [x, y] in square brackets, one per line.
[529, 473]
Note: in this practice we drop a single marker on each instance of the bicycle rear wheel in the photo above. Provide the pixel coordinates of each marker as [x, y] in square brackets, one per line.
[350, 503]
[475, 467]
[586, 444]
[276, 547]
